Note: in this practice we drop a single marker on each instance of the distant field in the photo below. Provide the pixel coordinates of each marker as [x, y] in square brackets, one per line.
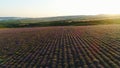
[95, 46]
[34, 23]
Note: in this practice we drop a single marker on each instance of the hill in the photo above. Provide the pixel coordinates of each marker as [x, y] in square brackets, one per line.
[10, 18]
[13, 22]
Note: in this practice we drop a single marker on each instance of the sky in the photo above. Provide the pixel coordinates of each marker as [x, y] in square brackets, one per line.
[49, 8]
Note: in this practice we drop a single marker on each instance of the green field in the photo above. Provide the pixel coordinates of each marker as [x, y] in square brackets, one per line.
[38, 23]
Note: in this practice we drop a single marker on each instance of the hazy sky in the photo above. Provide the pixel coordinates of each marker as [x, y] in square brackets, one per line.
[45, 8]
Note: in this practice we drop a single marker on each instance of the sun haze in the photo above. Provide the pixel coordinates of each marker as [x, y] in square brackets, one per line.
[48, 8]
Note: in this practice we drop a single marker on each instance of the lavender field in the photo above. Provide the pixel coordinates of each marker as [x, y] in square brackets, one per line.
[95, 46]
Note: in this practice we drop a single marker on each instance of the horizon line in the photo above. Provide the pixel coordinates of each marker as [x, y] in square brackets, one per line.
[61, 15]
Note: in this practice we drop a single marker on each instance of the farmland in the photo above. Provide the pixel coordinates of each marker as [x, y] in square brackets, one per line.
[59, 21]
[96, 46]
